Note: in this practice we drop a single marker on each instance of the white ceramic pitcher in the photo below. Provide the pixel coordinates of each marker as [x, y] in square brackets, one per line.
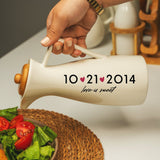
[106, 80]
[100, 28]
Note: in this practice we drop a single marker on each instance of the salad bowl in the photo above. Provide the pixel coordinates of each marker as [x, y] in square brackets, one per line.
[53, 144]
[38, 124]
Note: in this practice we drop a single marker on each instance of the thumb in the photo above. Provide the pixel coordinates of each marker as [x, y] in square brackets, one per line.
[54, 32]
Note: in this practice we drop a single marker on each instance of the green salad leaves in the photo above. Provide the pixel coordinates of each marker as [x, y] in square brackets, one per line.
[9, 113]
[41, 147]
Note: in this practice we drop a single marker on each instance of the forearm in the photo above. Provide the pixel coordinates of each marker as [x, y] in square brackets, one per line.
[107, 3]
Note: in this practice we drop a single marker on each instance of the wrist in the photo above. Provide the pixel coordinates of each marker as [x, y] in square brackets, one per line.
[97, 6]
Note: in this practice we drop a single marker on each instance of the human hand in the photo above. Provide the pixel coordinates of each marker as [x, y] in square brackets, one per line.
[71, 20]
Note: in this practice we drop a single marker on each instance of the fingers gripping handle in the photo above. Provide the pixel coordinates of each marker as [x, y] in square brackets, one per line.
[83, 50]
[86, 51]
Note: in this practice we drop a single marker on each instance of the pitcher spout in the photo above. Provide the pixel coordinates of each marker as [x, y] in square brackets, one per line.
[26, 101]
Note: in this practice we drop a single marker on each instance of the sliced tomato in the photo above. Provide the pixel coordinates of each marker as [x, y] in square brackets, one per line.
[24, 142]
[4, 124]
[15, 121]
[24, 128]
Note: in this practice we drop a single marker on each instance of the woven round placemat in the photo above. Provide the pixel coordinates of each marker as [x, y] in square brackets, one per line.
[75, 141]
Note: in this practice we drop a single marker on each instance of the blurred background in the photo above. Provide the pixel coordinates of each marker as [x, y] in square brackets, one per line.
[20, 19]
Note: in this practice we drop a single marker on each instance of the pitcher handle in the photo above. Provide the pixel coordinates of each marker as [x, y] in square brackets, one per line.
[46, 57]
[86, 51]
[112, 13]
